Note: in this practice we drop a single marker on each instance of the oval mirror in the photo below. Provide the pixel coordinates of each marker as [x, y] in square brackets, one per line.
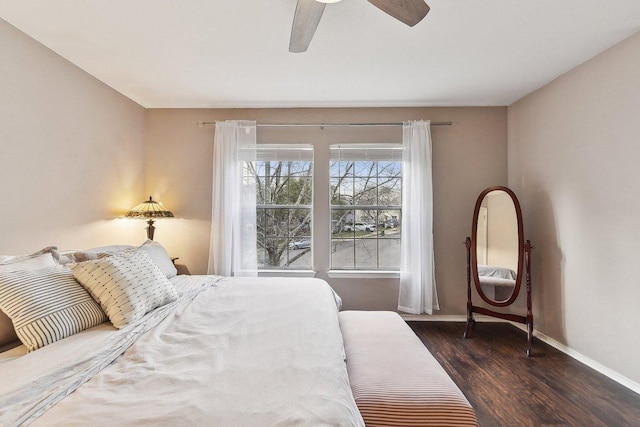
[497, 246]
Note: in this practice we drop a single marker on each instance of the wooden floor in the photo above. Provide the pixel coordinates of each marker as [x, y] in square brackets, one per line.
[506, 388]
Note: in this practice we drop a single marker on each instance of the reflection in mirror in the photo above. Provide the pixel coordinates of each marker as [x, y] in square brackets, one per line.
[497, 248]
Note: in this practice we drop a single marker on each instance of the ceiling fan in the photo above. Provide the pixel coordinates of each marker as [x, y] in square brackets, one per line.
[309, 12]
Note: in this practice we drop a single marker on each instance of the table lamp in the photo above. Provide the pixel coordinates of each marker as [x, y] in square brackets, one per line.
[149, 210]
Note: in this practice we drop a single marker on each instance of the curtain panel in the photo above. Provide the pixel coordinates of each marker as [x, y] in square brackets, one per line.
[232, 248]
[417, 270]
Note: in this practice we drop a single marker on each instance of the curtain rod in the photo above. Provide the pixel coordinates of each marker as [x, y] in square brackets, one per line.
[328, 125]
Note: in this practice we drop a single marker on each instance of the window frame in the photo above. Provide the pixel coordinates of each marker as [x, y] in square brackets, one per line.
[364, 152]
[275, 153]
[321, 205]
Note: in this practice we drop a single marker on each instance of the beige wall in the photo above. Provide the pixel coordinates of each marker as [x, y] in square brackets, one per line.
[574, 147]
[468, 156]
[72, 152]
[502, 231]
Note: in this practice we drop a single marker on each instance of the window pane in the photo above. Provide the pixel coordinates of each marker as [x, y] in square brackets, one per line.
[365, 191]
[300, 191]
[277, 222]
[346, 169]
[342, 191]
[276, 251]
[365, 221]
[261, 219]
[389, 223]
[364, 169]
[389, 169]
[256, 168]
[339, 219]
[366, 253]
[275, 169]
[299, 169]
[389, 252]
[390, 191]
[342, 254]
[260, 191]
[349, 222]
[334, 168]
[300, 254]
[300, 222]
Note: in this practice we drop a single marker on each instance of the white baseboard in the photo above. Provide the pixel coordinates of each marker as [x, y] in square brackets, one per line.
[610, 373]
[617, 377]
[447, 318]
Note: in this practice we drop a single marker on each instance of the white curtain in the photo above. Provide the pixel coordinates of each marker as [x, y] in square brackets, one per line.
[417, 271]
[232, 249]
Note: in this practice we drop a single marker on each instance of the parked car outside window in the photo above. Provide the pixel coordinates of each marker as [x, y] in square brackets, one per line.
[300, 244]
[360, 226]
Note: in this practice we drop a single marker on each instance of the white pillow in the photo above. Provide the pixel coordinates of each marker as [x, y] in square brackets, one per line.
[126, 284]
[47, 305]
[160, 256]
[35, 261]
[66, 257]
[110, 248]
[156, 251]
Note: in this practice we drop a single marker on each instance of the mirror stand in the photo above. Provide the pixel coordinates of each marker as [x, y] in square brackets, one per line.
[527, 320]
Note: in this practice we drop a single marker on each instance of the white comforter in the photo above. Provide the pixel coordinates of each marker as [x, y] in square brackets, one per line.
[244, 352]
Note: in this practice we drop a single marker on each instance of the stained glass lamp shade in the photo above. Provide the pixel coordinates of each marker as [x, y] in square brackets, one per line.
[149, 210]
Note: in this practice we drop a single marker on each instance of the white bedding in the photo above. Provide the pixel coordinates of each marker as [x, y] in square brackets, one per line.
[497, 272]
[243, 352]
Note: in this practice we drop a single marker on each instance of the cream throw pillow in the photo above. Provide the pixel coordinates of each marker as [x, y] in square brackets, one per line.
[127, 285]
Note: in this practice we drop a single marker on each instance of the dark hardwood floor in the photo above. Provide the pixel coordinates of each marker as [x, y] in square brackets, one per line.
[506, 388]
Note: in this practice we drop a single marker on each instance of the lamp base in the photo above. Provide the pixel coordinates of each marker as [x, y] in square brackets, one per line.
[150, 229]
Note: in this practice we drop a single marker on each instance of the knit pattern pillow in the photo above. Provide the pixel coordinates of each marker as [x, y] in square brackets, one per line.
[126, 284]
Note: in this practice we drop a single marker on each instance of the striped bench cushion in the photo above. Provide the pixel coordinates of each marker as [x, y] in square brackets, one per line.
[394, 379]
[47, 305]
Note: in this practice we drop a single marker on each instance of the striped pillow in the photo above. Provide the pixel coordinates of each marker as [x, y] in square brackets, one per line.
[127, 285]
[47, 305]
[35, 261]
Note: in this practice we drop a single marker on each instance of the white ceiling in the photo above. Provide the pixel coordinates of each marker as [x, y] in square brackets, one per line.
[234, 53]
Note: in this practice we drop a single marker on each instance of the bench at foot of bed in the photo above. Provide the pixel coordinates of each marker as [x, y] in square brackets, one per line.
[394, 379]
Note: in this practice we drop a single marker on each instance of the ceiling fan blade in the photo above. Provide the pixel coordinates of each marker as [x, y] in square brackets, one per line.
[305, 22]
[408, 11]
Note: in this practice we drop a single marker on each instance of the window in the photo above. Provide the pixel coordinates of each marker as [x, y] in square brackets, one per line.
[366, 214]
[363, 217]
[283, 175]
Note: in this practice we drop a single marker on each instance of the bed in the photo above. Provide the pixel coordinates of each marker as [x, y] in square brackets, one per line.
[225, 351]
[497, 282]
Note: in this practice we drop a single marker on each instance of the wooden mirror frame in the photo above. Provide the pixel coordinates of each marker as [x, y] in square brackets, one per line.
[474, 247]
[524, 259]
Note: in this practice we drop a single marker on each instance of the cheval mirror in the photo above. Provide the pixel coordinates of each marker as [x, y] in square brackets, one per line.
[497, 255]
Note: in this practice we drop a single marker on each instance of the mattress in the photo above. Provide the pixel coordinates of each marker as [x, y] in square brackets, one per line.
[229, 352]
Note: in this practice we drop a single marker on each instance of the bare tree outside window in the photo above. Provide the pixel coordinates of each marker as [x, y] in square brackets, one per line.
[365, 215]
[365, 212]
[283, 210]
